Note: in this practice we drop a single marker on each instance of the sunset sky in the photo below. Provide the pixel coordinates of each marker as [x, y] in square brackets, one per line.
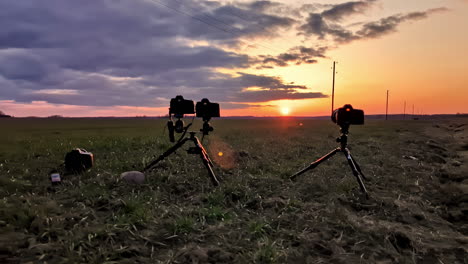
[262, 58]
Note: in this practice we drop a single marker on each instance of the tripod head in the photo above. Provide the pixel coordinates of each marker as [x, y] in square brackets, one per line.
[207, 128]
[343, 139]
[344, 129]
[177, 127]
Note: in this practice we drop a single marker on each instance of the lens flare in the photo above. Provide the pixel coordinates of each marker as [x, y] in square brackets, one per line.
[222, 153]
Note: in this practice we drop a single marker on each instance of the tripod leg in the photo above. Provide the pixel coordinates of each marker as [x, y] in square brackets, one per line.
[355, 172]
[357, 167]
[206, 161]
[203, 150]
[315, 163]
[165, 154]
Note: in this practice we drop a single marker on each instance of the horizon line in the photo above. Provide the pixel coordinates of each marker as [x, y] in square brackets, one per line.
[234, 116]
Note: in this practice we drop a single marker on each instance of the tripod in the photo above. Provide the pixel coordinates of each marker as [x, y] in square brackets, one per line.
[198, 149]
[343, 140]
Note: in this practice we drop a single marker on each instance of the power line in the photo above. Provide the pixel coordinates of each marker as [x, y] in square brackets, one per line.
[212, 17]
[258, 26]
[209, 24]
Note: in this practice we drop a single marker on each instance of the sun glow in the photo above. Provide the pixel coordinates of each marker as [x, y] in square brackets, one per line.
[285, 110]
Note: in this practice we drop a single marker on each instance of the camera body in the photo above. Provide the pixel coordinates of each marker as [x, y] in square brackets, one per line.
[347, 115]
[207, 109]
[180, 106]
[78, 160]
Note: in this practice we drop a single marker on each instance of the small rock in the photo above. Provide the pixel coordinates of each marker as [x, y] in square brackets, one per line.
[456, 163]
[133, 177]
[410, 157]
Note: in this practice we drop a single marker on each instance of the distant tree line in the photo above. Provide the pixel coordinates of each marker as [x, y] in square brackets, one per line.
[3, 115]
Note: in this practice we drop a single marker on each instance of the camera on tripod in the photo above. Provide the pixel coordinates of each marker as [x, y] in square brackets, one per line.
[180, 107]
[347, 115]
[344, 117]
[206, 110]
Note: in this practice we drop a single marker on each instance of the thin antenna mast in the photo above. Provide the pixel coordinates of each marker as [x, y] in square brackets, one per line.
[333, 88]
[386, 108]
[404, 111]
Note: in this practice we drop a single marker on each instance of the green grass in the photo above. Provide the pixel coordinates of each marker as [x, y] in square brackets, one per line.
[256, 216]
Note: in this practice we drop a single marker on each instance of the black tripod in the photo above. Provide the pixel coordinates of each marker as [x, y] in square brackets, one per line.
[198, 149]
[343, 140]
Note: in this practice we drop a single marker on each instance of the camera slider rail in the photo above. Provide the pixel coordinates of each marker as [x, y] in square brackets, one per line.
[197, 149]
[355, 168]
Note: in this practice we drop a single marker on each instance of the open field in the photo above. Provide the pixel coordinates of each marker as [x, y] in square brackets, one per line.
[417, 212]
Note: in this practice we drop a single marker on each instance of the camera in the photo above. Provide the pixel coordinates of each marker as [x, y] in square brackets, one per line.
[180, 106]
[78, 160]
[207, 109]
[347, 115]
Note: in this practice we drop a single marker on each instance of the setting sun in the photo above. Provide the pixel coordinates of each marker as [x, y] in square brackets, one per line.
[285, 110]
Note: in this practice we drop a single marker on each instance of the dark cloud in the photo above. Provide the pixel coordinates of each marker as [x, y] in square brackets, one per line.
[389, 24]
[322, 26]
[16, 65]
[339, 11]
[262, 5]
[324, 23]
[318, 26]
[297, 55]
[242, 22]
[28, 23]
[101, 90]
[267, 82]
[138, 53]
[228, 105]
[265, 96]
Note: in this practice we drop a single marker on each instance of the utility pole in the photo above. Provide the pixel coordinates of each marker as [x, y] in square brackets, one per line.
[404, 111]
[413, 110]
[386, 108]
[333, 89]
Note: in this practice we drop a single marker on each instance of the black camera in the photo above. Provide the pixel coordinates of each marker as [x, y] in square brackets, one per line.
[207, 109]
[78, 160]
[347, 115]
[180, 106]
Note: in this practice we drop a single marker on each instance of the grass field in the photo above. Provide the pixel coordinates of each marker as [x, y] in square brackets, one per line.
[417, 212]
